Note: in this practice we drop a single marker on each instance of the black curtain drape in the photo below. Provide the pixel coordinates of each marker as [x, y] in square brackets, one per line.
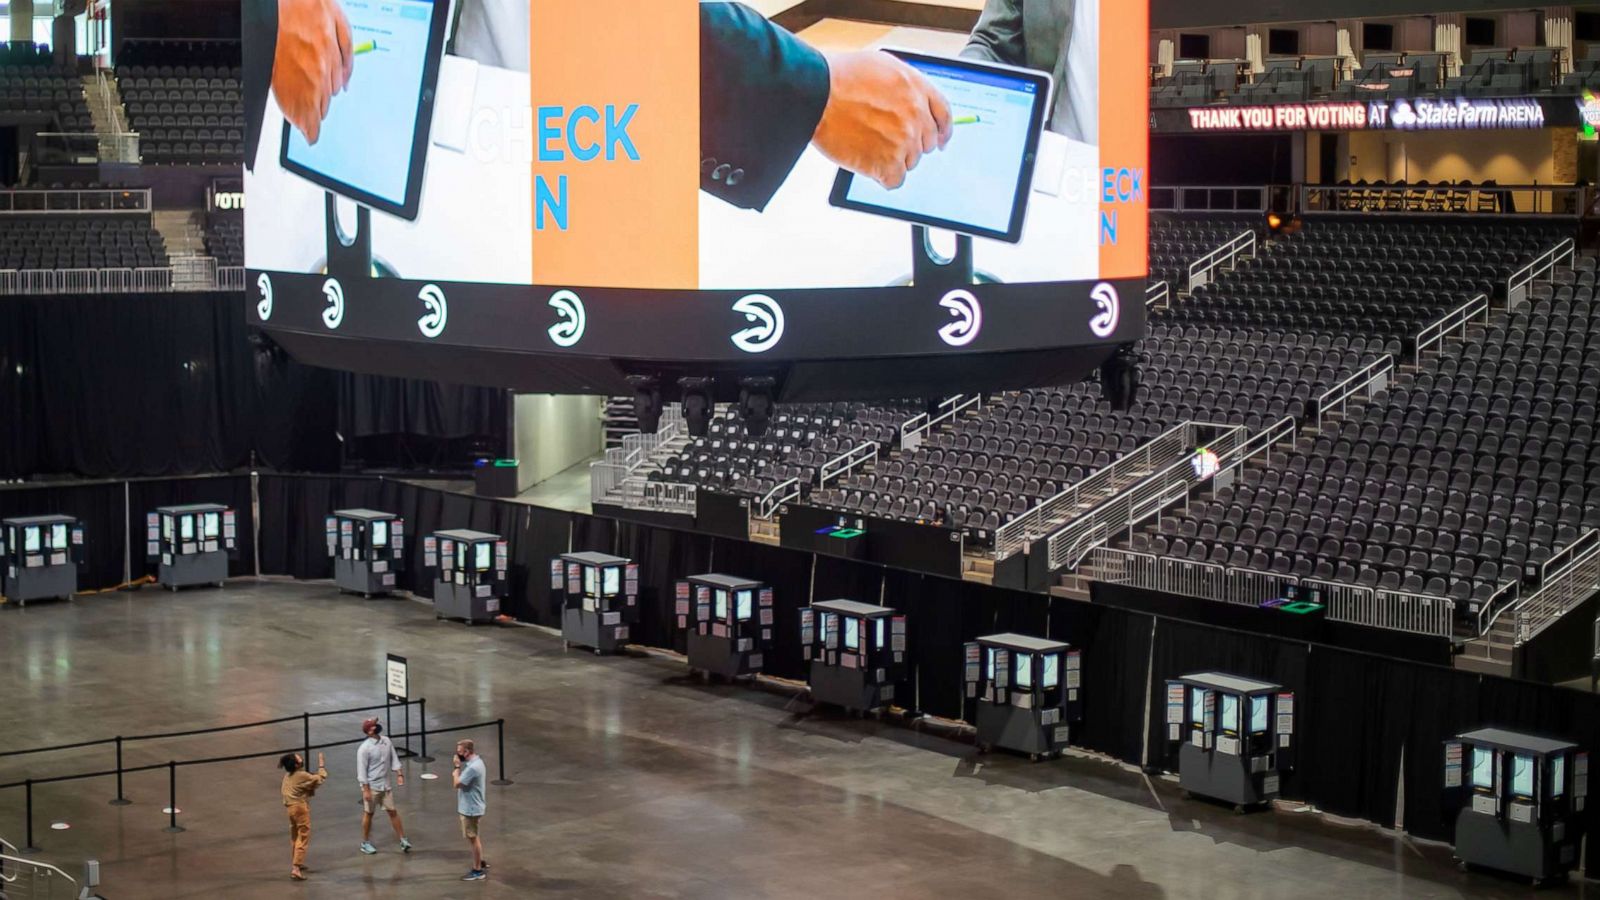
[98, 505]
[138, 385]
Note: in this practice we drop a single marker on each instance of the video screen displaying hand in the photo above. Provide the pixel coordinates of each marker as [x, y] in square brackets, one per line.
[312, 62]
[881, 116]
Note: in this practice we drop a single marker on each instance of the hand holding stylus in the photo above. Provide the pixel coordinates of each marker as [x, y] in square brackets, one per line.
[882, 116]
[312, 63]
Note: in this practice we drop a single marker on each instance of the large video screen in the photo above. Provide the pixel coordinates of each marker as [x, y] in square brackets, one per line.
[670, 178]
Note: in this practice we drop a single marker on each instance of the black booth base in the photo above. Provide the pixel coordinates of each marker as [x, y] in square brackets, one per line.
[1311, 628]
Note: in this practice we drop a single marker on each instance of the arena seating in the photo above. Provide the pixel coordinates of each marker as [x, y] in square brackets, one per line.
[30, 82]
[80, 241]
[1176, 240]
[184, 114]
[799, 440]
[225, 239]
[1465, 476]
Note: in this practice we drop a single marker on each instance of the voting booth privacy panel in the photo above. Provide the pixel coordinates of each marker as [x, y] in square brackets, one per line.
[191, 543]
[1234, 736]
[39, 557]
[1518, 801]
[727, 623]
[556, 207]
[470, 573]
[367, 548]
[599, 599]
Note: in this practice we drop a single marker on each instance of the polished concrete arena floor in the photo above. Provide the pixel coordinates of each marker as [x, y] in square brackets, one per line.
[631, 780]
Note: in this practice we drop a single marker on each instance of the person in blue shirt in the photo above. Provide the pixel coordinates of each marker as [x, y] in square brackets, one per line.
[469, 778]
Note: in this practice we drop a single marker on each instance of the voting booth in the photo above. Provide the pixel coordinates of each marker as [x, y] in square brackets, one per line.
[857, 652]
[1027, 693]
[599, 599]
[469, 574]
[728, 623]
[1518, 801]
[1236, 736]
[192, 543]
[39, 557]
[368, 548]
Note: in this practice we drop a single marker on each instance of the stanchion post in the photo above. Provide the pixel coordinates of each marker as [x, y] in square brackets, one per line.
[422, 717]
[408, 728]
[500, 732]
[121, 800]
[305, 721]
[388, 716]
[172, 799]
[31, 847]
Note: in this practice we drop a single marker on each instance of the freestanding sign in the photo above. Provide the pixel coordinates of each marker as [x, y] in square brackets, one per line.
[398, 680]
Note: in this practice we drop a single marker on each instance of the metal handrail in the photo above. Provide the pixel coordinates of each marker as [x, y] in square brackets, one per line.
[1444, 200]
[1373, 379]
[1022, 530]
[1517, 285]
[1152, 495]
[911, 438]
[1504, 599]
[1456, 319]
[33, 865]
[1190, 578]
[768, 505]
[1200, 270]
[844, 463]
[1377, 608]
[1158, 296]
[1570, 584]
[121, 280]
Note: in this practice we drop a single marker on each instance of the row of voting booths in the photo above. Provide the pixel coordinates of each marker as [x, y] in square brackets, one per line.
[39, 558]
[191, 544]
[1517, 800]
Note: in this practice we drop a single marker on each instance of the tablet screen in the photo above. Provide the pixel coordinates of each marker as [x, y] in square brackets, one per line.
[979, 182]
[370, 137]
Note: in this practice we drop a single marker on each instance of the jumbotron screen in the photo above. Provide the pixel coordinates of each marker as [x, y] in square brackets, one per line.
[670, 180]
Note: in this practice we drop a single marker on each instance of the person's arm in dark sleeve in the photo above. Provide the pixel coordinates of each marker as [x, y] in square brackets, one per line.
[260, 33]
[762, 93]
[998, 35]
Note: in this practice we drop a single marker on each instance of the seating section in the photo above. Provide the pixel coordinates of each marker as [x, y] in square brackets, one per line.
[1463, 477]
[30, 82]
[225, 239]
[799, 440]
[80, 241]
[1178, 239]
[185, 113]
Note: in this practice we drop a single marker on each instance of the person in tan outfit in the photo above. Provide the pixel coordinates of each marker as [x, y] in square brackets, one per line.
[298, 786]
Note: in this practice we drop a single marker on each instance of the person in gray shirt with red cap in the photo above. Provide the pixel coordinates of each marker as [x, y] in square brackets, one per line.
[376, 760]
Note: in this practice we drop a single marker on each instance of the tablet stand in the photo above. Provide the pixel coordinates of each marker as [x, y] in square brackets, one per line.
[930, 268]
[350, 257]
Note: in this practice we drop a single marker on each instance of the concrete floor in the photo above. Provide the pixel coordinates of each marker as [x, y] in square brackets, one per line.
[631, 780]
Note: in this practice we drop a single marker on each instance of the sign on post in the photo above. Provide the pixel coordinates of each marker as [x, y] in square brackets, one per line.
[398, 679]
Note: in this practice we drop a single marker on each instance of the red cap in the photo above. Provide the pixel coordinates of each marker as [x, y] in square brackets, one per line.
[369, 726]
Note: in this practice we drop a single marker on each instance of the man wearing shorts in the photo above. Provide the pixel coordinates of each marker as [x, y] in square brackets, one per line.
[375, 762]
[468, 777]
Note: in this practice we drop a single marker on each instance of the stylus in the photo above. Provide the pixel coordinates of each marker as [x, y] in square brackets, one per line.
[965, 120]
[364, 47]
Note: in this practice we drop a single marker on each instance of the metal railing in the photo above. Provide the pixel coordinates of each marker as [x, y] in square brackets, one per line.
[1155, 455]
[1186, 198]
[1444, 199]
[1571, 577]
[1454, 321]
[607, 475]
[115, 114]
[28, 879]
[770, 502]
[1158, 296]
[1242, 244]
[1372, 380]
[1394, 610]
[1188, 578]
[89, 281]
[65, 201]
[846, 462]
[1517, 285]
[1502, 601]
[916, 429]
[1150, 496]
[230, 278]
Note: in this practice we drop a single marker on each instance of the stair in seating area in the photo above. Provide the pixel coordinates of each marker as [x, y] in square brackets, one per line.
[764, 531]
[1490, 654]
[182, 230]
